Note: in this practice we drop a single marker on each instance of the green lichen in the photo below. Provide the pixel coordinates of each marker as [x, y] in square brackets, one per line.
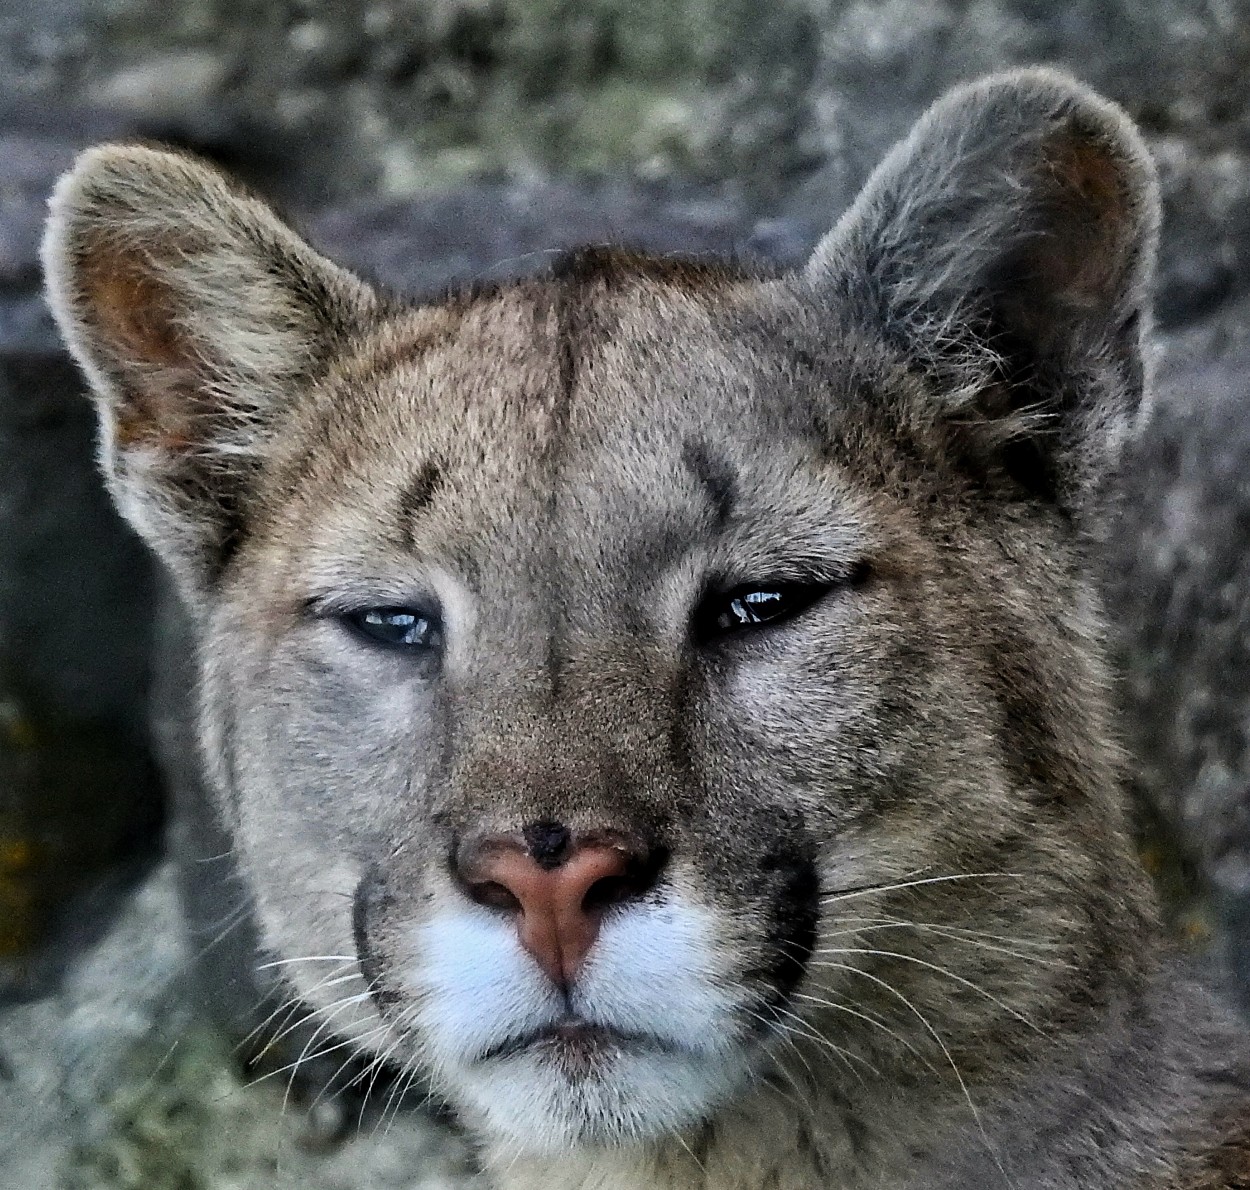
[182, 1120]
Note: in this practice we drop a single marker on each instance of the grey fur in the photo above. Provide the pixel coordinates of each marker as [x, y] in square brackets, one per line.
[899, 870]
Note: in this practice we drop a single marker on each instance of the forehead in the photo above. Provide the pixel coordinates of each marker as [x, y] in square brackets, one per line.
[660, 399]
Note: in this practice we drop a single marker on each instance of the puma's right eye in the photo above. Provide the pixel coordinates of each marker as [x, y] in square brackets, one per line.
[396, 627]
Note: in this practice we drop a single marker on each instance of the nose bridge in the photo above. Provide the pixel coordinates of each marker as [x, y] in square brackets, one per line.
[587, 746]
[525, 768]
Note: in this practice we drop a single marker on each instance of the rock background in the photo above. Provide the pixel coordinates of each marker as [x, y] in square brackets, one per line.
[430, 140]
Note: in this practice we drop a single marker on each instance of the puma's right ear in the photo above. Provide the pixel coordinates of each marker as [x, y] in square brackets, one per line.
[196, 315]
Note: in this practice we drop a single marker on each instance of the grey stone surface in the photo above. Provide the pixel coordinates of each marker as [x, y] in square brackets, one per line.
[115, 1083]
[79, 793]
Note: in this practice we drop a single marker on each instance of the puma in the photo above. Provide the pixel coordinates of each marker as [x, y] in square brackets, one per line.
[665, 704]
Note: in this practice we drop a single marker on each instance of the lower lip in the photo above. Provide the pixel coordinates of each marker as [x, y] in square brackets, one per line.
[571, 1043]
[578, 1048]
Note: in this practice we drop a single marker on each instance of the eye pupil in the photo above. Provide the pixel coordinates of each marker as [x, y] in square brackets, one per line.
[398, 627]
[750, 607]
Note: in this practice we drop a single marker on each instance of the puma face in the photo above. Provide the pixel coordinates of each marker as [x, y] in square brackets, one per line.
[653, 680]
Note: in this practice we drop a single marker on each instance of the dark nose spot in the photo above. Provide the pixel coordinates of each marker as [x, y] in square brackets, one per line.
[548, 843]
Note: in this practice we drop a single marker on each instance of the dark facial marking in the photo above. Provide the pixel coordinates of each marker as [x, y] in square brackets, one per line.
[716, 476]
[792, 930]
[370, 894]
[416, 498]
[548, 843]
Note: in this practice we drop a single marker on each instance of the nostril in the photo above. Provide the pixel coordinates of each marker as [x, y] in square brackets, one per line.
[636, 877]
[494, 895]
[609, 890]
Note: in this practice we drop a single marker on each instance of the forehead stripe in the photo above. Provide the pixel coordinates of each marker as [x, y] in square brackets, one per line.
[416, 497]
[716, 476]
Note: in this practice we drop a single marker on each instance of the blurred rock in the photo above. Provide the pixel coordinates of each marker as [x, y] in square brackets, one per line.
[115, 1083]
[60, 1056]
[79, 794]
[168, 86]
[80, 797]
[1179, 592]
[496, 230]
[791, 101]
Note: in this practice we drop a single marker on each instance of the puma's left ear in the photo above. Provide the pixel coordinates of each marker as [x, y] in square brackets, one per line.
[1006, 247]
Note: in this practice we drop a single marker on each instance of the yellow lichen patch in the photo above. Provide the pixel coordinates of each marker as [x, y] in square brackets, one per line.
[1196, 931]
[17, 917]
[16, 855]
[1152, 859]
[16, 729]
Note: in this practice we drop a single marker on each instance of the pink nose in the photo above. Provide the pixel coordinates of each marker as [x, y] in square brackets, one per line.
[558, 906]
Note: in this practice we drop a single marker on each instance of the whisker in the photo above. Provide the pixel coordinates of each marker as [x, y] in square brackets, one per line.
[846, 894]
[309, 958]
[215, 859]
[1038, 943]
[968, 983]
[963, 1086]
[290, 1006]
[373, 1070]
[870, 1019]
[415, 1073]
[402, 1080]
[339, 1006]
[315, 1011]
[329, 1083]
[350, 1041]
[955, 936]
[784, 1031]
[813, 1034]
[681, 1140]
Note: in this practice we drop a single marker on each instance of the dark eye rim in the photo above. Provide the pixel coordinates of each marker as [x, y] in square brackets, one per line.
[803, 594]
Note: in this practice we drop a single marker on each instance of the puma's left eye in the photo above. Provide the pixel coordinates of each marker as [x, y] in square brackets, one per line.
[749, 607]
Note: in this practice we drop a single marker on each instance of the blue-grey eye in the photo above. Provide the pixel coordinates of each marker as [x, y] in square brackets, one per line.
[397, 627]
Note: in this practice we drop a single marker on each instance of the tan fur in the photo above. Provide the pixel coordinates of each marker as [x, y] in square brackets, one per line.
[897, 869]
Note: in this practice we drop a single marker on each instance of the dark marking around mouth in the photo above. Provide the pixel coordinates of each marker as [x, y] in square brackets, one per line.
[789, 871]
[794, 925]
[370, 894]
[577, 1033]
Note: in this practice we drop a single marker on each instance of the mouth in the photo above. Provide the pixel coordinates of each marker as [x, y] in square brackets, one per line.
[574, 1044]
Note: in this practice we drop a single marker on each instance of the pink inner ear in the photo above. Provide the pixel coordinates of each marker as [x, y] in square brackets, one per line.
[132, 314]
[1087, 214]
[130, 309]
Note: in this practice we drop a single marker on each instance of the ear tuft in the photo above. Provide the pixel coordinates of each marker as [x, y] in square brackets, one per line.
[1006, 246]
[198, 316]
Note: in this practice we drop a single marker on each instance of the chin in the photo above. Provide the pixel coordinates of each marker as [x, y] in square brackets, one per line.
[649, 1039]
[582, 1086]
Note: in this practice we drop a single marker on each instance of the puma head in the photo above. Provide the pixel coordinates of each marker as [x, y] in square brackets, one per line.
[633, 684]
